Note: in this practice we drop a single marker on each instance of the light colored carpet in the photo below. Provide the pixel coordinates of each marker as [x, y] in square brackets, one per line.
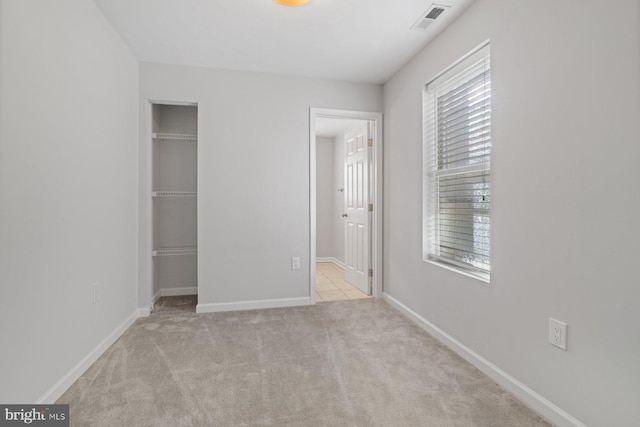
[186, 303]
[344, 363]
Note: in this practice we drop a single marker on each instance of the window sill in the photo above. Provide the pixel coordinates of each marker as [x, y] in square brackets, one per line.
[485, 278]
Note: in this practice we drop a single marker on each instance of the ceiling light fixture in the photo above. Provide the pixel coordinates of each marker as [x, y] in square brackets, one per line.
[292, 2]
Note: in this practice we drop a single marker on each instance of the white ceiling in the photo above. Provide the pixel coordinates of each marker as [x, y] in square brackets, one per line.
[329, 128]
[353, 40]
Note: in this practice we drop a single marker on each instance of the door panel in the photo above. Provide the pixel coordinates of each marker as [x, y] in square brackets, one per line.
[356, 203]
[360, 251]
[359, 189]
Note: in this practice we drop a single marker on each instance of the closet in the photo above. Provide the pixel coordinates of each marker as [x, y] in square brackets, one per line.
[174, 199]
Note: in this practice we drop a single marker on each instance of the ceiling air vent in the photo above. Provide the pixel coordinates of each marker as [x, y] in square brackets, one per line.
[429, 15]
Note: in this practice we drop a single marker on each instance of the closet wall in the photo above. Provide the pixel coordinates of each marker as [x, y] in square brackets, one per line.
[174, 169]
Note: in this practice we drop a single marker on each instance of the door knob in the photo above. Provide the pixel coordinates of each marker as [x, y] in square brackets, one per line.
[344, 215]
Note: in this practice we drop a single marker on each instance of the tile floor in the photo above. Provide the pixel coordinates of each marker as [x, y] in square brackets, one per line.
[331, 286]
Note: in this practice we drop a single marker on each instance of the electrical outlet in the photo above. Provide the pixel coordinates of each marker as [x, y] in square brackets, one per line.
[295, 263]
[558, 333]
[96, 292]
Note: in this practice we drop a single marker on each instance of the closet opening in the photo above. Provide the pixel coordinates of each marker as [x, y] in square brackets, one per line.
[174, 201]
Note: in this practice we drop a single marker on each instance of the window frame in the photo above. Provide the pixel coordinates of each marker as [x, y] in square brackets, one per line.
[431, 210]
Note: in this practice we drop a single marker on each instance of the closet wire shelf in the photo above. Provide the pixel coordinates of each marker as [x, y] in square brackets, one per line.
[175, 136]
[185, 250]
[174, 194]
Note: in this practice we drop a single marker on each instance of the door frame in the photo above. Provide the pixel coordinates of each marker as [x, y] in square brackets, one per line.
[376, 197]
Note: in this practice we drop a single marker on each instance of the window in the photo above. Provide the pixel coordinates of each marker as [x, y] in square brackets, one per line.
[457, 167]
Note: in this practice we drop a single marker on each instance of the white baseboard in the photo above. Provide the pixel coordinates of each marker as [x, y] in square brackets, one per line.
[252, 305]
[336, 261]
[146, 312]
[172, 292]
[58, 389]
[534, 400]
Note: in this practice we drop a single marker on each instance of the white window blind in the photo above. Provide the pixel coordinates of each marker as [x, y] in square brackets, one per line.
[457, 165]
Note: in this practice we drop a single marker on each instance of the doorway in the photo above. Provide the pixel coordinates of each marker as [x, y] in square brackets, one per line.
[345, 204]
[171, 205]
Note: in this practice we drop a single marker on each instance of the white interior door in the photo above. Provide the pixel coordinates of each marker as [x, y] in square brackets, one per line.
[356, 202]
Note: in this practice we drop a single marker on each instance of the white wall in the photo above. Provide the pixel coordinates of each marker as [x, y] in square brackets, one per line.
[253, 166]
[325, 233]
[68, 156]
[338, 198]
[566, 135]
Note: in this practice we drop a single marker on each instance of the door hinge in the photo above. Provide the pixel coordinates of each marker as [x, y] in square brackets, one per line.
[370, 142]
[370, 207]
[371, 272]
